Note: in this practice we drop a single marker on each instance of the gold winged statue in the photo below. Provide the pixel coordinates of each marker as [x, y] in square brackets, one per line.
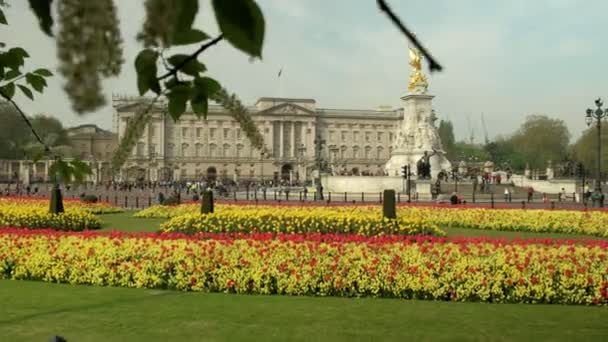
[417, 79]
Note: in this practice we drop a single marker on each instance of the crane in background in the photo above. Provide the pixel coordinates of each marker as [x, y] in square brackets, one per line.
[471, 131]
[485, 129]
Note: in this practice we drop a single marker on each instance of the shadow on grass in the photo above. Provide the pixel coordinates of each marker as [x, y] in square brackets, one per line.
[106, 304]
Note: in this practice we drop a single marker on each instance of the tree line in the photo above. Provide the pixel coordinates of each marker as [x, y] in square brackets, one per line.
[17, 140]
[537, 141]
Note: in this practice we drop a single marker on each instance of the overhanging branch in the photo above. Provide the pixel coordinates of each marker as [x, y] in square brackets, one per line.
[433, 64]
[191, 57]
[47, 149]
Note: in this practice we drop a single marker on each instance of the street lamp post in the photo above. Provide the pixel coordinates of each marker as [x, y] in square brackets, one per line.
[597, 115]
[318, 148]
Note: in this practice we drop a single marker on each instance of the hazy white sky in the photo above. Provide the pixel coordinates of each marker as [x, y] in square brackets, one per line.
[507, 59]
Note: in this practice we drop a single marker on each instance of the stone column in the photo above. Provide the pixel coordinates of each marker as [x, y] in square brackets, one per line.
[293, 139]
[281, 153]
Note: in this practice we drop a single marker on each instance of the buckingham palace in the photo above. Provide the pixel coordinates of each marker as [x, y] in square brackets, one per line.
[298, 136]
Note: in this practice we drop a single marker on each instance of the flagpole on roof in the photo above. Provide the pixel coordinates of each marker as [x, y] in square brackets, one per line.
[279, 76]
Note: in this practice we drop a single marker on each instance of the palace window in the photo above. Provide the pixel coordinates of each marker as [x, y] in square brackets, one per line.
[368, 152]
[368, 136]
[356, 152]
[343, 151]
[380, 152]
[140, 149]
[355, 136]
[238, 134]
[226, 150]
[185, 152]
[184, 132]
[379, 134]
[198, 132]
[213, 150]
[152, 150]
[212, 133]
[332, 135]
[343, 136]
[226, 133]
[198, 150]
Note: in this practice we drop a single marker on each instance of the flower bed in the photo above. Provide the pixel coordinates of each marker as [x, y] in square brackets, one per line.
[168, 211]
[338, 265]
[556, 221]
[94, 208]
[23, 215]
[298, 220]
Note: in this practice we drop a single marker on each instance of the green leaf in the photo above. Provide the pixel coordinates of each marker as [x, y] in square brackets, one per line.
[209, 85]
[189, 37]
[26, 91]
[3, 18]
[43, 72]
[36, 81]
[13, 73]
[19, 52]
[242, 24]
[178, 97]
[187, 12]
[42, 10]
[145, 65]
[62, 170]
[204, 88]
[200, 105]
[14, 58]
[79, 170]
[191, 67]
[8, 90]
[172, 82]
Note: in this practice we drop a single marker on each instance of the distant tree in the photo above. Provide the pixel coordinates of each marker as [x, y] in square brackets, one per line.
[446, 134]
[468, 152]
[585, 149]
[15, 133]
[538, 140]
[50, 129]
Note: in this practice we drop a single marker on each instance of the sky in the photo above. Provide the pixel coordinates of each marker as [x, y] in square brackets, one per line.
[505, 59]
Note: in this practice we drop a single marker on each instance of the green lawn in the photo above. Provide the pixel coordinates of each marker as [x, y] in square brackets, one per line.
[33, 311]
[126, 222]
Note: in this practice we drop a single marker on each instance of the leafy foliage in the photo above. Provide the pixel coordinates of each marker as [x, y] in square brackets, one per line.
[168, 23]
[541, 139]
[134, 130]
[239, 113]
[94, 25]
[446, 134]
[585, 148]
[242, 23]
[42, 9]
[69, 171]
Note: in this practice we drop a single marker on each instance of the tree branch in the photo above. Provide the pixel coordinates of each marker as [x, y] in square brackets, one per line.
[27, 121]
[132, 133]
[15, 79]
[191, 57]
[433, 64]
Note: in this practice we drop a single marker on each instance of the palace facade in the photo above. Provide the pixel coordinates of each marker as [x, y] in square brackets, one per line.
[297, 134]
